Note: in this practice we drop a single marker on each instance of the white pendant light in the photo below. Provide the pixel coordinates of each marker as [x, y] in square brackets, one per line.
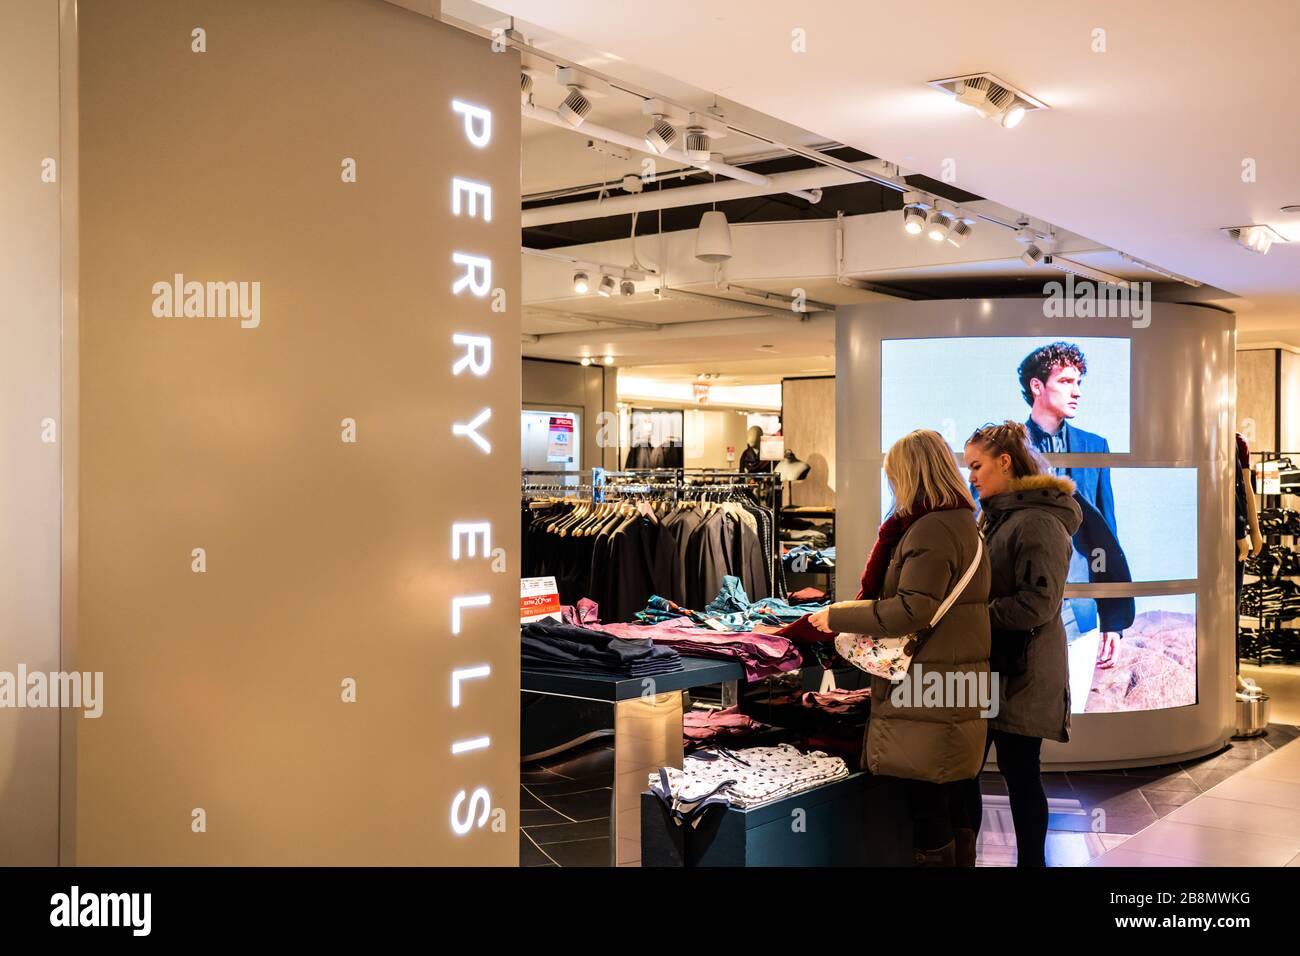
[713, 240]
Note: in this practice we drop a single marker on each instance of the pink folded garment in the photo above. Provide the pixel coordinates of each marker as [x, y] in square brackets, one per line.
[700, 726]
[762, 655]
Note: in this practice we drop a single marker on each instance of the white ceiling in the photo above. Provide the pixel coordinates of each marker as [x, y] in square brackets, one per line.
[1142, 150]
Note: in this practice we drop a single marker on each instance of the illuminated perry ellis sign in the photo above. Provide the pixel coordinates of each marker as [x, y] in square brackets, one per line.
[471, 539]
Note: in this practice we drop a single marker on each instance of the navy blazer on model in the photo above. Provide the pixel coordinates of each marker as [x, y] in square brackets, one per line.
[1096, 498]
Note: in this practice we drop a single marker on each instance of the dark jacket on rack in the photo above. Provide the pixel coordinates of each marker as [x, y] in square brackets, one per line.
[1027, 532]
[916, 742]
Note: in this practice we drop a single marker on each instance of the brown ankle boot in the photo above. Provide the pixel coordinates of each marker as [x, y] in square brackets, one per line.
[945, 855]
[964, 839]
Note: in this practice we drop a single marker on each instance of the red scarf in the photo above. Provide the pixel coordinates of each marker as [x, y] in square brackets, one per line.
[891, 532]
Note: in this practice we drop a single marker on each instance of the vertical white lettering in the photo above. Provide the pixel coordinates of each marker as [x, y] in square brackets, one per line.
[478, 274]
[472, 600]
[470, 431]
[469, 529]
[462, 826]
[478, 122]
[472, 191]
[466, 673]
[465, 746]
[478, 365]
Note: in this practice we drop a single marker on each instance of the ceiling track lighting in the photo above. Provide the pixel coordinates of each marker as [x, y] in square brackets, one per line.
[697, 145]
[915, 208]
[938, 225]
[1257, 238]
[627, 287]
[1034, 245]
[581, 285]
[575, 108]
[662, 134]
[960, 231]
[607, 286]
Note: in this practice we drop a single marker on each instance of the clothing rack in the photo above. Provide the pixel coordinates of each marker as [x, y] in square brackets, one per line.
[1263, 647]
[673, 484]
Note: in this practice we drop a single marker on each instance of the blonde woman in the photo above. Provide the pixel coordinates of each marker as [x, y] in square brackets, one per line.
[924, 547]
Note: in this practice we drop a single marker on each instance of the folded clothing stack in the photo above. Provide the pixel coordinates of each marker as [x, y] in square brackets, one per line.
[741, 778]
[553, 645]
[802, 558]
[705, 726]
[837, 701]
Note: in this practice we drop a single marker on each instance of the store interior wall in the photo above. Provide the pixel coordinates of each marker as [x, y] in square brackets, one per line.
[1289, 402]
[808, 423]
[30, 423]
[1257, 385]
[591, 389]
[708, 433]
[229, 735]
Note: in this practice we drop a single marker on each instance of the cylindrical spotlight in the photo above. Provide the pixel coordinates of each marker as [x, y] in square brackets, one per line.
[609, 360]
[661, 135]
[1032, 255]
[607, 286]
[627, 287]
[913, 220]
[585, 360]
[575, 108]
[580, 283]
[940, 223]
[959, 232]
[1012, 116]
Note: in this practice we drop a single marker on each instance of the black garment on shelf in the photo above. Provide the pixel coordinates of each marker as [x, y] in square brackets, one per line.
[554, 645]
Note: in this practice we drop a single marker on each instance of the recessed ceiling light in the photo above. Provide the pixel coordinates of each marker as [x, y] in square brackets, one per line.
[1256, 238]
[993, 98]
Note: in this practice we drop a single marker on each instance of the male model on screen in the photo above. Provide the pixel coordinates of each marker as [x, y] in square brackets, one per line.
[1051, 380]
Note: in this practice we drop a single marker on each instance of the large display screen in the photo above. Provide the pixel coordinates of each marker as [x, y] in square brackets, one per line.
[1076, 390]
[1139, 524]
[1151, 666]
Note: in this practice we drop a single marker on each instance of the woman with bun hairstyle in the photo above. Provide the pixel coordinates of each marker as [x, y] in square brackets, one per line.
[923, 550]
[1028, 517]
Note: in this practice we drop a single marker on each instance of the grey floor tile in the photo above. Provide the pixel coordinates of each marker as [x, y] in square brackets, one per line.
[530, 854]
[584, 806]
[1178, 780]
[581, 852]
[568, 832]
[537, 818]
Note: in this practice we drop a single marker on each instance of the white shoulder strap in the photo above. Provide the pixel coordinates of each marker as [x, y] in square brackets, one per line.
[961, 585]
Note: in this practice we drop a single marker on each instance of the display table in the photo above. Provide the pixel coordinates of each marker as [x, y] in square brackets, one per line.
[858, 821]
[647, 729]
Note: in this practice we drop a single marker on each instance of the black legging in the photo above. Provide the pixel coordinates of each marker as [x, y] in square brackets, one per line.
[1018, 761]
[937, 809]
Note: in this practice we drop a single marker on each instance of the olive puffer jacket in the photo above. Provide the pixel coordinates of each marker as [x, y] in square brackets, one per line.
[1027, 533]
[921, 738]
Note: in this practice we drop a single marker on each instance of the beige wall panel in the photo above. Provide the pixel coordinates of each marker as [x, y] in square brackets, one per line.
[326, 560]
[808, 423]
[29, 394]
[1257, 397]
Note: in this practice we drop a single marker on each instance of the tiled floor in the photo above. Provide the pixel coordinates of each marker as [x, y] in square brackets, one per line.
[564, 808]
[565, 804]
[1094, 813]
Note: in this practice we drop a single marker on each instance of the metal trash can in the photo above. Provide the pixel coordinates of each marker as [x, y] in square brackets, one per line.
[1252, 715]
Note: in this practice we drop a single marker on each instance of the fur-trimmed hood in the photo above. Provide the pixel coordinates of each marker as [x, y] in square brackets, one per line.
[1039, 482]
[1045, 493]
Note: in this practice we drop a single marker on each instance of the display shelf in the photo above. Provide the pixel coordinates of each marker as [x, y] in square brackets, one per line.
[610, 688]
